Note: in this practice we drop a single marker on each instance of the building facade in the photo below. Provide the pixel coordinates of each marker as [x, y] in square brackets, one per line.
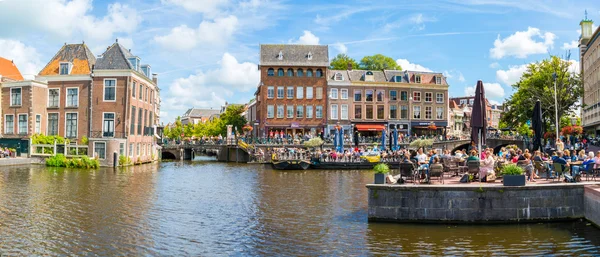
[493, 111]
[291, 95]
[198, 115]
[590, 68]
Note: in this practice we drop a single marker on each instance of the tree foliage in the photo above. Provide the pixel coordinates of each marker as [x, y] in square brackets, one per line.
[379, 62]
[217, 126]
[340, 62]
[537, 83]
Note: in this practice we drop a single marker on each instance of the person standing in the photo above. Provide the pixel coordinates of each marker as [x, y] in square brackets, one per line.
[560, 146]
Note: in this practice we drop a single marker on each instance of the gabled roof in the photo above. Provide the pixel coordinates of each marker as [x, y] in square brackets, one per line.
[331, 76]
[9, 70]
[114, 58]
[79, 55]
[203, 113]
[453, 104]
[294, 55]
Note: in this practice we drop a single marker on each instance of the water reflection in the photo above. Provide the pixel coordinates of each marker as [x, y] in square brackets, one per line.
[208, 208]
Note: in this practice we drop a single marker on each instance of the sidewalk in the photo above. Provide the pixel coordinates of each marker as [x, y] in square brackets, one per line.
[15, 161]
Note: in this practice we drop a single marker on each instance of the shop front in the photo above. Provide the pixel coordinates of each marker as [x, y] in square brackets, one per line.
[347, 129]
[431, 128]
[370, 129]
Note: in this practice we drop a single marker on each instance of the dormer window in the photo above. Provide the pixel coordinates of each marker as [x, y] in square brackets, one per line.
[280, 56]
[417, 78]
[398, 79]
[146, 70]
[135, 63]
[438, 80]
[338, 76]
[65, 68]
[309, 56]
[369, 76]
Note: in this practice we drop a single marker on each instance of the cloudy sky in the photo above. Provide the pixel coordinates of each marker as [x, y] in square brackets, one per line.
[206, 51]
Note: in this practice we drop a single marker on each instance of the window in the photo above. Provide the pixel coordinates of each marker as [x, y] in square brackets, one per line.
[15, 96]
[290, 111]
[417, 96]
[319, 93]
[403, 112]
[100, 150]
[290, 92]
[110, 90]
[133, 90]
[344, 111]
[140, 121]
[333, 93]
[132, 128]
[439, 98]
[428, 112]
[64, 68]
[299, 92]
[338, 76]
[319, 73]
[369, 112]
[280, 72]
[369, 95]
[417, 78]
[393, 95]
[358, 112]
[428, 97]
[471, 101]
[299, 111]
[463, 101]
[380, 95]
[150, 120]
[130, 149]
[121, 149]
[108, 127]
[71, 125]
[438, 80]
[9, 124]
[280, 111]
[416, 112]
[138, 148]
[380, 112]
[270, 92]
[270, 72]
[300, 73]
[309, 111]
[72, 97]
[403, 96]
[309, 92]
[280, 92]
[141, 91]
[343, 93]
[52, 124]
[53, 97]
[319, 112]
[334, 112]
[290, 72]
[397, 78]
[270, 111]
[357, 95]
[146, 94]
[439, 113]
[393, 112]
[38, 124]
[309, 73]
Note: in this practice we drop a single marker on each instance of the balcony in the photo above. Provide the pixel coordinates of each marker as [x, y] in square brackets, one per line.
[107, 134]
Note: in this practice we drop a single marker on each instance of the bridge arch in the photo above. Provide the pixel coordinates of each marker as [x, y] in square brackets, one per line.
[460, 147]
[166, 155]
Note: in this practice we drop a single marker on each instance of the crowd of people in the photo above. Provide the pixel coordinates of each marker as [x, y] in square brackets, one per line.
[6, 152]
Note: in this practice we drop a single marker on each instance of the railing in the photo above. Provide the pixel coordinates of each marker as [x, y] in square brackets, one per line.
[68, 150]
[107, 134]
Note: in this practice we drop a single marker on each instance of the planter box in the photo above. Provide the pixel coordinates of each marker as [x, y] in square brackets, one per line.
[513, 180]
[380, 178]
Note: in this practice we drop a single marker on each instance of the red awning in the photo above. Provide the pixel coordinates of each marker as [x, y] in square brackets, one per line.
[369, 127]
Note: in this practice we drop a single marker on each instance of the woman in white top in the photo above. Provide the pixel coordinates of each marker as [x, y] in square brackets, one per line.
[487, 165]
[560, 146]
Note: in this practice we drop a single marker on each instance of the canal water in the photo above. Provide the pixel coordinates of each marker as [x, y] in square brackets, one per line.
[206, 208]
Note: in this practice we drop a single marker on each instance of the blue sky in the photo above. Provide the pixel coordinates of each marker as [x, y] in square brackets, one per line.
[206, 52]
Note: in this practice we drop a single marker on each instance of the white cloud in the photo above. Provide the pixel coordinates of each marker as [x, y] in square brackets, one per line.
[494, 65]
[308, 38]
[493, 102]
[571, 45]
[574, 66]
[217, 32]
[204, 6]
[454, 74]
[522, 43]
[492, 90]
[461, 78]
[25, 57]
[417, 21]
[213, 87]
[341, 48]
[512, 75]
[406, 65]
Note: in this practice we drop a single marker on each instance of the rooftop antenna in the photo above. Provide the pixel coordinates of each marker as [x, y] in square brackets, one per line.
[586, 14]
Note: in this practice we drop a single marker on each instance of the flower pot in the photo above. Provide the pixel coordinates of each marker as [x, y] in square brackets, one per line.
[513, 180]
[380, 178]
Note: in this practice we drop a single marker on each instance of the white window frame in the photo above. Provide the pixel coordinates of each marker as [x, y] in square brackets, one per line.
[308, 114]
[430, 113]
[282, 111]
[66, 125]
[300, 111]
[418, 79]
[438, 80]
[104, 91]
[342, 93]
[420, 113]
[319, 93]
[38, 125]
[67, 96]
[271, 89]
[317, 116]
[21, 96]
[288, 95]
[299, 92]
[333, 95]
[338, 76]
[94, 147]
[414, 97]
[287, 110]
[69, 68]
[280, 96]
[58, 105]
[57, 123]
[311, 95]
[437, 97]
[390, 93]
[436, 113]
[6, 124]
[342, 116]
[26, 124]
[430, 101]
[272, 115]
[333, 114]
[131, 150]
[113, 125]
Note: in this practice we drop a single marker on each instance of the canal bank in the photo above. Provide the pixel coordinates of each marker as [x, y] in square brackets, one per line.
[484, 203]
[17, 161]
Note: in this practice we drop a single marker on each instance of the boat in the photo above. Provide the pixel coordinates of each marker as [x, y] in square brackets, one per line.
[364, 165]
[291, 165]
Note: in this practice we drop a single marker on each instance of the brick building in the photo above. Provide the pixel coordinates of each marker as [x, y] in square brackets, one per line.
[290, 96]
[493, 111]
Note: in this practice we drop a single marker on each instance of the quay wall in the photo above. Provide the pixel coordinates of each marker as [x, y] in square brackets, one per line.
[592, 204]
[474, 204]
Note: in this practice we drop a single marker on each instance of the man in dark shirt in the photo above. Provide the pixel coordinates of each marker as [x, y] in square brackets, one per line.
[559, 159]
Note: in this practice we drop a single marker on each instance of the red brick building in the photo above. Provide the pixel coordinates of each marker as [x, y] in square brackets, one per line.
[291, 96]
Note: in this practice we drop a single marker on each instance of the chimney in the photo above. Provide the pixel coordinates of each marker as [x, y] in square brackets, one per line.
[350, 66]
[155, 78]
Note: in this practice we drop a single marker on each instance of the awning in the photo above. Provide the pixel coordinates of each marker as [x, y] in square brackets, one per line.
[369, 127]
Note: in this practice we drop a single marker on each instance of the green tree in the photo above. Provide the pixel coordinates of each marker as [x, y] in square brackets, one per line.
[340, 62]
[379, 62]
[231, 116]
[537, 83]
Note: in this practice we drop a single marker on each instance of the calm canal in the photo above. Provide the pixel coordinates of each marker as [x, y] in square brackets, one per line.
[206, 208]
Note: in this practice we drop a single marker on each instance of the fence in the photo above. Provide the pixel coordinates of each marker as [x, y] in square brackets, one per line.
[68, 150]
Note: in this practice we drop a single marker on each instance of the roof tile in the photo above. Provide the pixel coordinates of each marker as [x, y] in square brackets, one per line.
[9, 70]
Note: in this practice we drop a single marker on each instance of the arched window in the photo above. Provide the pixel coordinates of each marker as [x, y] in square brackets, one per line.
[309, 73]
[280, 72]
[370, 73]
[271, 72]
[319, 73]
[300, 73]
[290, 72]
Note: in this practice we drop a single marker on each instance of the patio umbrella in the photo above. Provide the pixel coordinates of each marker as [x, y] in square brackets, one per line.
[383, 139]
[356, 138]
[341, 139]
[478, 117]
[335, 139]
[536, 123]
[391, 140]
[396, 138]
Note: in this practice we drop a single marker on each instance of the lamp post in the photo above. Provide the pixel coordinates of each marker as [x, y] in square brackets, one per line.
[409, 114]
[555, 105]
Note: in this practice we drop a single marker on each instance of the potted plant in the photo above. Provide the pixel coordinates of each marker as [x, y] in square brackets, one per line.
[512, 175]
[381, 171]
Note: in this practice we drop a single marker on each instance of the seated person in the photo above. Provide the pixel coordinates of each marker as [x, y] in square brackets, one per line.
[589, 160]
[487, 165]
[473, 156]
[559, 159]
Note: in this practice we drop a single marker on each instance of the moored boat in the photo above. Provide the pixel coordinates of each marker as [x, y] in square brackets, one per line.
[291, 165]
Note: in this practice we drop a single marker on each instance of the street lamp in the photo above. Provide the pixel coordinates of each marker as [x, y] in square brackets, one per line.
[409, 114]
[555, 104]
